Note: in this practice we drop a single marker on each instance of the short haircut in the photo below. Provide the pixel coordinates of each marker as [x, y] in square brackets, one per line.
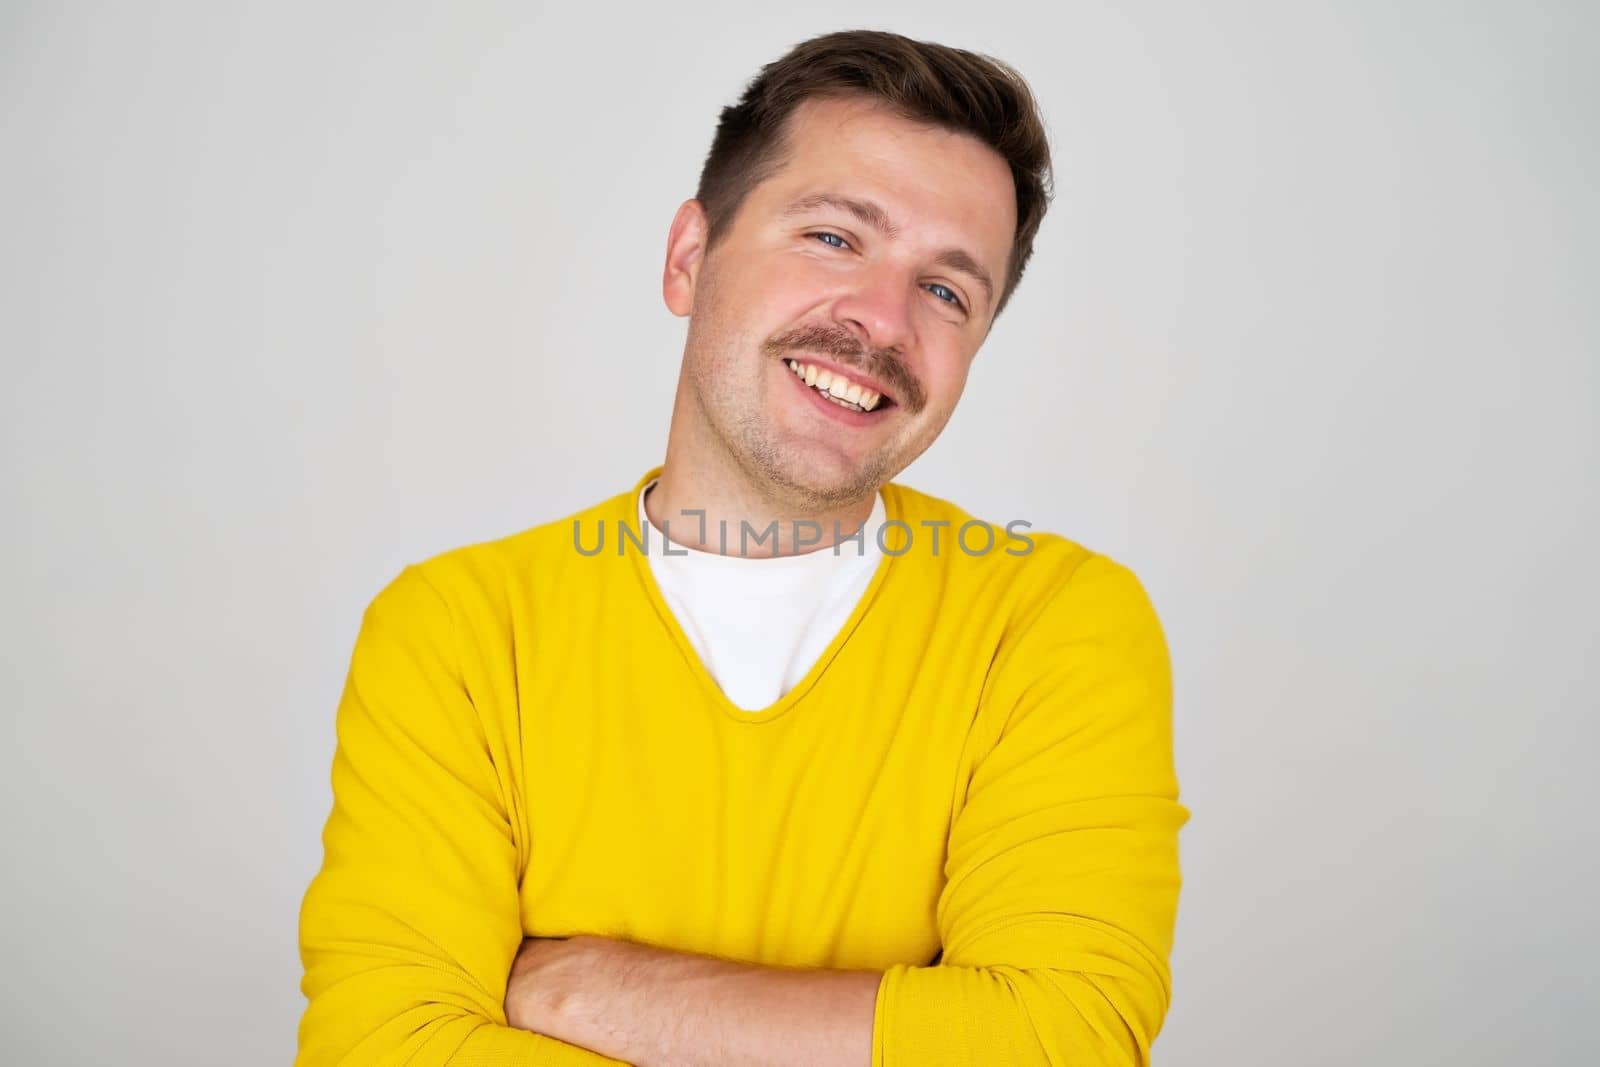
[944, 87]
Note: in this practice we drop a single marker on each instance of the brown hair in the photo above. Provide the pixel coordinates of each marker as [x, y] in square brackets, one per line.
[946, 87]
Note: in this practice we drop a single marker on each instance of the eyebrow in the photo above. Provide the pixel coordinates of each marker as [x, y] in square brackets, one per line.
[870, 214]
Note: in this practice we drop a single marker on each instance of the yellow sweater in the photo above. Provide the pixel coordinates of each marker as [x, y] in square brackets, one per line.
[972, 790]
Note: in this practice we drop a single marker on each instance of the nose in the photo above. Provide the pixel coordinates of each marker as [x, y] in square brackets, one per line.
[878, 307]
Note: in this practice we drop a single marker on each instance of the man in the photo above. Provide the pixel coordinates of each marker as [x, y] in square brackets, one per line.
[884, 786]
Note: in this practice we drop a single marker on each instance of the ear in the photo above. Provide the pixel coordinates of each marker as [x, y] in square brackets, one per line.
[685, 249]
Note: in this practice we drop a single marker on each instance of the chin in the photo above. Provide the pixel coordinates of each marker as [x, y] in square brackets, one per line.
[827, 483]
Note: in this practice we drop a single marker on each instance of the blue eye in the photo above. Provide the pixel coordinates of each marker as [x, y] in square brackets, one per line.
[954, 300]
[824, 234]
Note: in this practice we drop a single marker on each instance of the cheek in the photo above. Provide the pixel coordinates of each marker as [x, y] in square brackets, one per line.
[946, 379]
[795, 293]
[762, 286]
[767, 302]
[793, 280]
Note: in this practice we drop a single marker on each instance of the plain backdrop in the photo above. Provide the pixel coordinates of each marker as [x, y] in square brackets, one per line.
[293, 294]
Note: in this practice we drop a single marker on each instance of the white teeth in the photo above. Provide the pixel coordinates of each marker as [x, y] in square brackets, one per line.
[836, 387]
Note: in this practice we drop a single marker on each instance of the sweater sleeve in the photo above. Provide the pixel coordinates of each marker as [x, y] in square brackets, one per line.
[1057, 914]
[408, 930]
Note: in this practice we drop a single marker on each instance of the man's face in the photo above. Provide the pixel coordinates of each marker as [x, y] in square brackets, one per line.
[864, 256]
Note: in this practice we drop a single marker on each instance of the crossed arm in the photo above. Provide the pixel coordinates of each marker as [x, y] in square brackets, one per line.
[647, 1006]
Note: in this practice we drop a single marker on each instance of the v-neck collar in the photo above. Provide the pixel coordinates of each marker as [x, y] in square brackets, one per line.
[628, 511]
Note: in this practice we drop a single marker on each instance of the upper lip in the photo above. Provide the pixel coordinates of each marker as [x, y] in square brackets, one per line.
[841, 372]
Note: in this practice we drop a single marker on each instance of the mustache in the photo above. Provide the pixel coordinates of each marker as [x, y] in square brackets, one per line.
[882, 364]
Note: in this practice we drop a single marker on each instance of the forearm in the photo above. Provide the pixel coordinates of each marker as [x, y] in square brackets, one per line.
[653, 1007]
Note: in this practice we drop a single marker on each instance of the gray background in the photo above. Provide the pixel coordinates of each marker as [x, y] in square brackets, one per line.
[292, 295]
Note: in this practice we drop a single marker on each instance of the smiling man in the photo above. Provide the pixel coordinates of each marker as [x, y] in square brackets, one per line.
[886, 786]
[868, 260]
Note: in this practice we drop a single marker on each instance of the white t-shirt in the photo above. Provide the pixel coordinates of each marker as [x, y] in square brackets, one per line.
[760, 623]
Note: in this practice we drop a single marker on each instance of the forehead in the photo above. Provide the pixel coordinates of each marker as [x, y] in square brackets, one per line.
[937, 185]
